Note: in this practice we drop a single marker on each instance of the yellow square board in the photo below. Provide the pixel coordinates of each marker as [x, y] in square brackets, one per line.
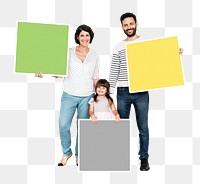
[154, 64]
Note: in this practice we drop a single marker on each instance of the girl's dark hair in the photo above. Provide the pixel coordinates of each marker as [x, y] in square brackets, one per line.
[83, 28]
[104, 83]
[127, 15]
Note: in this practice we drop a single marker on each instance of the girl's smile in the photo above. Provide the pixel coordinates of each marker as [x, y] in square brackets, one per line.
[101, 91]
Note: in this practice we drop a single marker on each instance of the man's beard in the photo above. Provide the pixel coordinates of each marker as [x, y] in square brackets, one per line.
[132, 34]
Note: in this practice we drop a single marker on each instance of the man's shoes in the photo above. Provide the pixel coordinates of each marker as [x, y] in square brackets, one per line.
[144, 165]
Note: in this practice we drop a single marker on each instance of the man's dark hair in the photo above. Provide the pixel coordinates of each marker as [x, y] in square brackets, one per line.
[127, 15]
[83, 28]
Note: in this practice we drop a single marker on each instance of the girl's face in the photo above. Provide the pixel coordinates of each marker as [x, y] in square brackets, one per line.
[84, 38]
[101, 90]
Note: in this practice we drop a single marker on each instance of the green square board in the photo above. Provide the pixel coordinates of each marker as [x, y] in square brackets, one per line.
[42, 48]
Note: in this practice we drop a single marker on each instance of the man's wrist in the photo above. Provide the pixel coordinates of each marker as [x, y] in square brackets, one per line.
[112, 90]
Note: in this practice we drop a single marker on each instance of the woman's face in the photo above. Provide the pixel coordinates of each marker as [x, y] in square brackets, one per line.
[84, 38]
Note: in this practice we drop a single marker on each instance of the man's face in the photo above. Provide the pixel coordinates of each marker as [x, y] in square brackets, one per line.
[129, 26]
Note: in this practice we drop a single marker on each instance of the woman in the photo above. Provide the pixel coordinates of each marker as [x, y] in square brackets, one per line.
[78, 88]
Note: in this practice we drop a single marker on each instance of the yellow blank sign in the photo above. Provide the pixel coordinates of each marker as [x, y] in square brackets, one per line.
[154, 64]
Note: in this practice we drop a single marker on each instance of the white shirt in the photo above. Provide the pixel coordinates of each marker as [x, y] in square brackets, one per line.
[102, 109]
[81, 75]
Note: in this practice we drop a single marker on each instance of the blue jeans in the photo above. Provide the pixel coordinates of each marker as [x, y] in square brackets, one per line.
[141, 104]
[69, 104]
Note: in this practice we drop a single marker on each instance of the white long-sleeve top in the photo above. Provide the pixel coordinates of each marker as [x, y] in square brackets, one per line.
[81, 75]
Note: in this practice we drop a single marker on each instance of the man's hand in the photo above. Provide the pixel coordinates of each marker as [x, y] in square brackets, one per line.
[181, 51]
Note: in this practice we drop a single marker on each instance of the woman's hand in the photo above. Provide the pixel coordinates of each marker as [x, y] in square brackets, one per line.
[39, 74]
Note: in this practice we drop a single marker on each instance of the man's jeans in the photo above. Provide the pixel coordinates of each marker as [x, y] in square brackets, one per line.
[141, 103]
[69, 104]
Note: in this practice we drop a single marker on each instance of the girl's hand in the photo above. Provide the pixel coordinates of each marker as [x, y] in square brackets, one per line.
[39, 74]
[117, 118]
[94, 119]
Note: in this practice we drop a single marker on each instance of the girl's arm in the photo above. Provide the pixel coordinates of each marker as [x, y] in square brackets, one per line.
[91, 114]
[115, 112]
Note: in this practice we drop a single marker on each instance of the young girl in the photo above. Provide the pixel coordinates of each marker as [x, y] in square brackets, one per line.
[102, 105]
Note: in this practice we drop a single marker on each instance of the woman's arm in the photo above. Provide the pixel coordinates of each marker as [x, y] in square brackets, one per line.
[96, 71]
[95, 81]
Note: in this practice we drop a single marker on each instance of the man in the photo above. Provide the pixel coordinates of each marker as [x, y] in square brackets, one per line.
[118, 73]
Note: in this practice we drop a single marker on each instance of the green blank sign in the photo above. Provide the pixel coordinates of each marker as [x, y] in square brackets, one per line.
[42, 48]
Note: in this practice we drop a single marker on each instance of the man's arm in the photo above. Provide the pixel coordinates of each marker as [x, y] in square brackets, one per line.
[114, 71]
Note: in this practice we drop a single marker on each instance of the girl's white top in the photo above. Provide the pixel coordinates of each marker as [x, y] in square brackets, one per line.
[102, 108]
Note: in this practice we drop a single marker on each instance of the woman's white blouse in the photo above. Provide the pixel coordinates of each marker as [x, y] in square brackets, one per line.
[81, 75]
